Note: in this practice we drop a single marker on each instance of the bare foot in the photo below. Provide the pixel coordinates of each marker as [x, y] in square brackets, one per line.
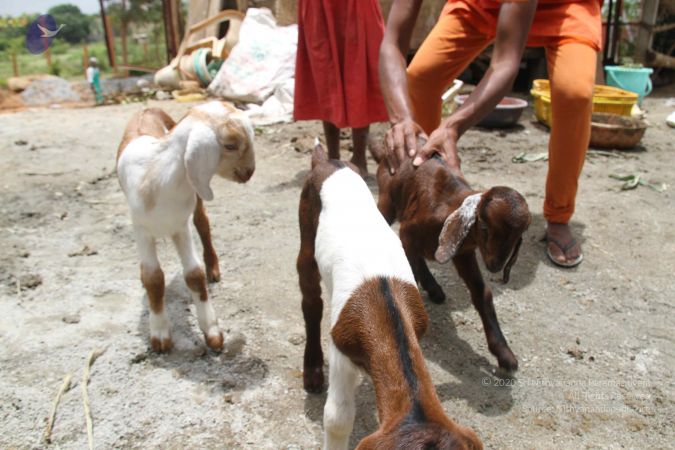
[562, 249]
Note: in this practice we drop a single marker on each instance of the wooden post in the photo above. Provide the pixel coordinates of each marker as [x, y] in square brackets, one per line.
[170, 33]
[158, 57]
[109, 42]
[85, 58]
[607, 59]
[15, 66]
[177, 25]
[616, 31]
[643, 43]
[48, 57]
[112, 53]
[124, 27]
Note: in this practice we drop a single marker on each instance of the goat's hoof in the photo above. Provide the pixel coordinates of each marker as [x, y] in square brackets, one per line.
[508, 362]
[313, 379]
[161, 345]
[213, 274]
[214, 341]
[436, 295]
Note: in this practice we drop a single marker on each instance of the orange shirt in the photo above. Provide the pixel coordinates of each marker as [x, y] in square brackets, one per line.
[568, 20]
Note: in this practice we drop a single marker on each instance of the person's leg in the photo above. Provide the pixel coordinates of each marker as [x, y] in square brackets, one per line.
[571, 68]
[452, 44]
[360, 141]
[332, 134]
[95, 92]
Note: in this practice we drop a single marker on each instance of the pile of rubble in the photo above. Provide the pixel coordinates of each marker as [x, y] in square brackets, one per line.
[43, 90]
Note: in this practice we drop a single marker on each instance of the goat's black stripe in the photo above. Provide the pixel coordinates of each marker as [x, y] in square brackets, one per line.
[416, 414]
[401, 338]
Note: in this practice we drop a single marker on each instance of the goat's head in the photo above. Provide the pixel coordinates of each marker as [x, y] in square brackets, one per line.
[422, 437]
[498, 218]
[235, 136]
[220, 142]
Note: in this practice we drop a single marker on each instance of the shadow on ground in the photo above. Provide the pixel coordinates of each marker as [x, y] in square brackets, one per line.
[228, 371]
[536, 250]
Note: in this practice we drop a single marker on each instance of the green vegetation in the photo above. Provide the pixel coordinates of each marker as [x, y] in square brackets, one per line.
[145, 40]
[69, 59]
[76, 27]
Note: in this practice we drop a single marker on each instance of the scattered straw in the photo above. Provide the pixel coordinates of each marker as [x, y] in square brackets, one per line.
[65, 386]
[85, 396]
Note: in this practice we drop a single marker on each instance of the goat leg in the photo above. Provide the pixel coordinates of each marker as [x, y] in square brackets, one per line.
[310, 287]
[429, 283]
[385, 203]
[195, 279]
[312, 310]
[420, 269]
[481, 296]
[201, 221]
[152, 278]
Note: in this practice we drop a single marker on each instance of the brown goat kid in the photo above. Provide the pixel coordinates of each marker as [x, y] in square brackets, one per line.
[442, 218]
[377, 317]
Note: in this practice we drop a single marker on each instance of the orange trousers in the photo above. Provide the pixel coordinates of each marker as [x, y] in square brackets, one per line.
[451, 46]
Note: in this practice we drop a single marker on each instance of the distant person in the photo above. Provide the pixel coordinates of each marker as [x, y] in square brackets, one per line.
[94, 79]
[336, 77]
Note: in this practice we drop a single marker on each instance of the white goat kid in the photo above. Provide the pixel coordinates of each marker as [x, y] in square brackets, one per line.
[165, 170]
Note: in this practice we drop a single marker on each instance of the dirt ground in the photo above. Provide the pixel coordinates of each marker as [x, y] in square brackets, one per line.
[595, 344]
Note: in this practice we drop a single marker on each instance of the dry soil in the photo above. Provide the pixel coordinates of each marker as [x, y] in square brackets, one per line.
[595, 343]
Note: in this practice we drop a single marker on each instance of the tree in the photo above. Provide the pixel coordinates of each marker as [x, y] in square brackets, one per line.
[77, 25]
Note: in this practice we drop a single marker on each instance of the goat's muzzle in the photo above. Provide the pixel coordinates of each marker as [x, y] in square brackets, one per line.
[243, 175]
[494, 265]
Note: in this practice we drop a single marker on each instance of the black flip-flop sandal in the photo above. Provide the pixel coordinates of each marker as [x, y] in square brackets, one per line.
[564, 249]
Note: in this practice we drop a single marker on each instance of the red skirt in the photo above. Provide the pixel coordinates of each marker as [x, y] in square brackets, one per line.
[336, 75]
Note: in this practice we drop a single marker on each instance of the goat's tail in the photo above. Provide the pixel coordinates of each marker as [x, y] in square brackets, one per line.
[319, 155]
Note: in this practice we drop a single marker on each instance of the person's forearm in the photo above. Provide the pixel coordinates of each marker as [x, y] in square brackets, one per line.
[392, 65]
[512, 29]
[394, 83]
[495, 84]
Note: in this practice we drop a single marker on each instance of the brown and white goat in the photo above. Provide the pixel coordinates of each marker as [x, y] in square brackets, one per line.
[377, 317]
[165, 170]
[442, 218]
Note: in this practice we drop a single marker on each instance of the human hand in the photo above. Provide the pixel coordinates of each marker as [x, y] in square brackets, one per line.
[442, 141]
[402, 140]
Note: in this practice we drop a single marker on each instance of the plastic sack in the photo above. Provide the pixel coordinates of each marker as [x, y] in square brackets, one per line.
[278, 107]
[263, 59]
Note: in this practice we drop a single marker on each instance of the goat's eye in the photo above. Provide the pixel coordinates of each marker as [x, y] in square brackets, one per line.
[231, 147]
[483, 227]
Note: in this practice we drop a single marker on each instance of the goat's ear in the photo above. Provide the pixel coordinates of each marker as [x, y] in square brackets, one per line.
[456, 228]
[202, 156]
